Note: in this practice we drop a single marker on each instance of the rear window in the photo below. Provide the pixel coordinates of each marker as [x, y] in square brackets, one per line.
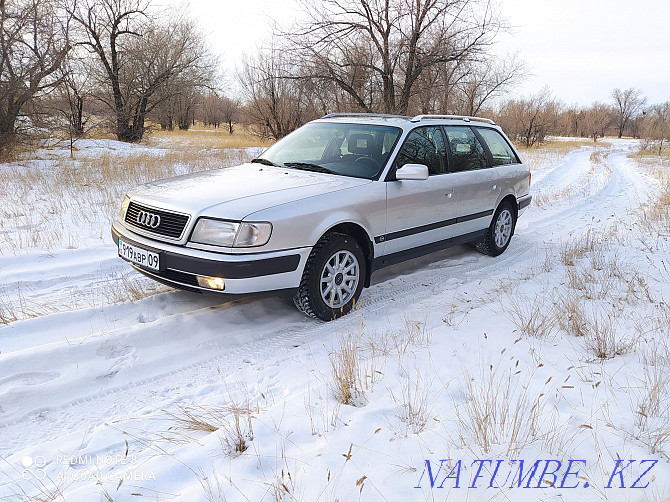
[500, 150]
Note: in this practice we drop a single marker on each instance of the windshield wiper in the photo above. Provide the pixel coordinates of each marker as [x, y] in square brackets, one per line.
[306, 166]
[265, 162]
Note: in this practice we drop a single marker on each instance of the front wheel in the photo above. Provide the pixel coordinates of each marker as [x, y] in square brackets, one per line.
[333, 278]
[499, 233]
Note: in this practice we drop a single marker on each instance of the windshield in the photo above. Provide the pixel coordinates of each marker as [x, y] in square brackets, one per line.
[356, 150]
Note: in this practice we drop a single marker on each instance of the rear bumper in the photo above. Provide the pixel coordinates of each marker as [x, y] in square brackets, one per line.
[523, 202]
[244, 274]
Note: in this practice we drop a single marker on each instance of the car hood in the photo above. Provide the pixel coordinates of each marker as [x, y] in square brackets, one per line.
[235, 192]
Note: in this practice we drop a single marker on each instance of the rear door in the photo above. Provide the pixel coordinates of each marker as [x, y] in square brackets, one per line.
[478, 184]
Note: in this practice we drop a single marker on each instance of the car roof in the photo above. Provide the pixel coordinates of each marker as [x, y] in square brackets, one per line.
[403, 120]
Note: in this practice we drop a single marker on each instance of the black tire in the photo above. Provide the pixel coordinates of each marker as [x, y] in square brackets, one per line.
[499, 233]
[344, 256]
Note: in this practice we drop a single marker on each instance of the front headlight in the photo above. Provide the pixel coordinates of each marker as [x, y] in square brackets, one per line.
[231, 234]
[215, 232]
[253, 234]
[124, 207]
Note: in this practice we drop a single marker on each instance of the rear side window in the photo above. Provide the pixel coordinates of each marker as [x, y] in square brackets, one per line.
[467, 152]
[500, 150]
[424, 145]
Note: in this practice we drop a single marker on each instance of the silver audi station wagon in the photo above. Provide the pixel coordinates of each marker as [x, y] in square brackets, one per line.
[319, 211]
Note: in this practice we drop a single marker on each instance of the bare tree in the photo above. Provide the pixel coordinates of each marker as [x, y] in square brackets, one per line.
[376, 51]
[568, 121]
[216, 110]
[275, 103]
[596, 120]
[230, 109]
[656, 125]
[530, 120]
[76, 90]
[33, 45]
[209, 111]
[68, 104]
[627, 105]
[484, 81]
[139, 56]
[176, 104]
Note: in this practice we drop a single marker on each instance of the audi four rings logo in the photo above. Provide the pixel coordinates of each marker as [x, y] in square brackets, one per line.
[148, 219]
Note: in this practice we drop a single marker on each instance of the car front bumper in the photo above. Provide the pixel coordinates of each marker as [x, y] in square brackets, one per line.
[244, 274]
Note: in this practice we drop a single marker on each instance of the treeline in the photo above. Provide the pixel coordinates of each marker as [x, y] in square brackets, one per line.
[68, 66]
[627, 113]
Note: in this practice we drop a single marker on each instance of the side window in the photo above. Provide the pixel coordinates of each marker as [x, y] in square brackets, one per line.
[466, 150]
[424, 145]
[500, 150]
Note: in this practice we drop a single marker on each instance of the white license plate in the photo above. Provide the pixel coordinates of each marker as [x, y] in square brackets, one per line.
[139, 256]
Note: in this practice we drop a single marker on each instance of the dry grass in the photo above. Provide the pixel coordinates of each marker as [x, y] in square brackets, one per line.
[595, 298]
[128, 287]
[7, 311]
[603, 335]
[19, 306]
[212, 487]
[92, 185]
[412, 334]
[654, 216]
[232, 421]
[602, 338]
[569, 311]
[654, 400]
[199, 418]
[572, 251]
[500, 410]
[413, 405]
[650, 403]
[207, 138]
[20, 303]
[348, 373]
[532, 316]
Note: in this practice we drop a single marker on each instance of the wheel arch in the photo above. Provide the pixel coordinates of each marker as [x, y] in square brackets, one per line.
[360, 234]
[512, 201]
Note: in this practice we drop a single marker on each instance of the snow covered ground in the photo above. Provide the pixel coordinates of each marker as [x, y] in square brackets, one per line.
[543, 374]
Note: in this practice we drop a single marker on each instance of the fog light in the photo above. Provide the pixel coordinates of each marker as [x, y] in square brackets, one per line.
[211, 283]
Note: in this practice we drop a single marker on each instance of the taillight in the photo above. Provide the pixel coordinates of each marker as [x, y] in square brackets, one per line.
[529, 176]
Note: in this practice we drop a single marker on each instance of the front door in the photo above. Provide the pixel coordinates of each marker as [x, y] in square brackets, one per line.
[420, 212]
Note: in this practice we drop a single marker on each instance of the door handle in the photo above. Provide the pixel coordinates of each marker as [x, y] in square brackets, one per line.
[449, 194]
[494, 187]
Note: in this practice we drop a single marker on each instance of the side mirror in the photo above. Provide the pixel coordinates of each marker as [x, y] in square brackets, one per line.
[412, 172]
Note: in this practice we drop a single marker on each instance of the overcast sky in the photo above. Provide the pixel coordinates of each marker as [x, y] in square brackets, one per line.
[581, 49]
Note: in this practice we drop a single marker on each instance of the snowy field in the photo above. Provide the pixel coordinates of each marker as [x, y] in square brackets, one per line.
[543, 374]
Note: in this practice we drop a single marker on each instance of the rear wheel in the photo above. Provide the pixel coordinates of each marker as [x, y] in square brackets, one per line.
[499, 233]
[333, 278]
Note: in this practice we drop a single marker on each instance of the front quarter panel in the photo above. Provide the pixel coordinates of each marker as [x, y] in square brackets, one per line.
[302, 223]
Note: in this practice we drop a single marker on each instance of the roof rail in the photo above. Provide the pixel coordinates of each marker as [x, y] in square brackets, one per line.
[380, 115]
[465, 118]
